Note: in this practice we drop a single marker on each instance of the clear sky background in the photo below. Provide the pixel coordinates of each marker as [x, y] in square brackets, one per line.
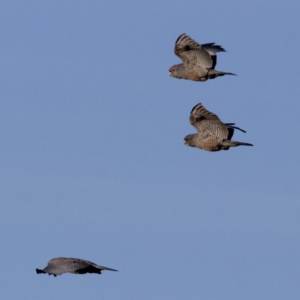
[93, 163]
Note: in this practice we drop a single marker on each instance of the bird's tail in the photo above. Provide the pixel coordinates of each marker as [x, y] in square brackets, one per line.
[227, 143]
[38, 271]
[214, 73]
[105, 268]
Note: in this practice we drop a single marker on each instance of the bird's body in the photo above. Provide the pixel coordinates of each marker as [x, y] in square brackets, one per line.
[61, 265]
[213, 135]
[198, 61]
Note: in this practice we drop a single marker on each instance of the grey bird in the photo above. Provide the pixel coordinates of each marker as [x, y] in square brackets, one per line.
[199, 61]
[61, 265]
[213, 135]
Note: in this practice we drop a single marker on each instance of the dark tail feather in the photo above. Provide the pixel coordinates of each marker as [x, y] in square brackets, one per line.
[108, 269]
[214, 73]
[227, 144]
[38, 271]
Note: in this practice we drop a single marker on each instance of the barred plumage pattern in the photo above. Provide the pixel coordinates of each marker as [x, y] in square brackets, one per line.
[198, 60]
[213, 134]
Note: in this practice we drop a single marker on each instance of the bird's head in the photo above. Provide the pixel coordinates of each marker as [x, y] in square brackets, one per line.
[172, 71]
[189, 140]
[177, 71]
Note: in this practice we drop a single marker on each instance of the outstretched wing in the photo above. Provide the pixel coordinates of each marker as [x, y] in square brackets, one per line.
[192, 53]
[84, 263]
[61, 265]
[212, 49]
[75, 265]
[55, 267]
[231, 127]
[200, 113]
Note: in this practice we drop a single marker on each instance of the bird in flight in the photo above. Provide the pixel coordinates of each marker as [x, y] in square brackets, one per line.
[198, 61]
[61, 265]
[213, 135]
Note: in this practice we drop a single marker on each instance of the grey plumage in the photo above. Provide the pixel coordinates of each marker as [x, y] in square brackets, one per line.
[213, 134]
[61, 265]
[198, 61]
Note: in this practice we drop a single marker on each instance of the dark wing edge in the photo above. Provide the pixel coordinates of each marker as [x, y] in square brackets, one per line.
[199, 113]
[230, 125]
[87, 263]
[93, 269]
[38, 271]
[185, 43]
[212, 48]
[231, 128]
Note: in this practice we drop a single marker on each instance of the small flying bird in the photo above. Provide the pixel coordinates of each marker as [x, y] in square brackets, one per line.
[199, 61]
[61, 265]
[213, 135]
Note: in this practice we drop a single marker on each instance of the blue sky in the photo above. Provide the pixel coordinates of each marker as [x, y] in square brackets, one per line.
[93, 160]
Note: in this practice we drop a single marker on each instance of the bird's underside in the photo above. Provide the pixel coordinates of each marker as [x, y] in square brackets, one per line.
[202, 74]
